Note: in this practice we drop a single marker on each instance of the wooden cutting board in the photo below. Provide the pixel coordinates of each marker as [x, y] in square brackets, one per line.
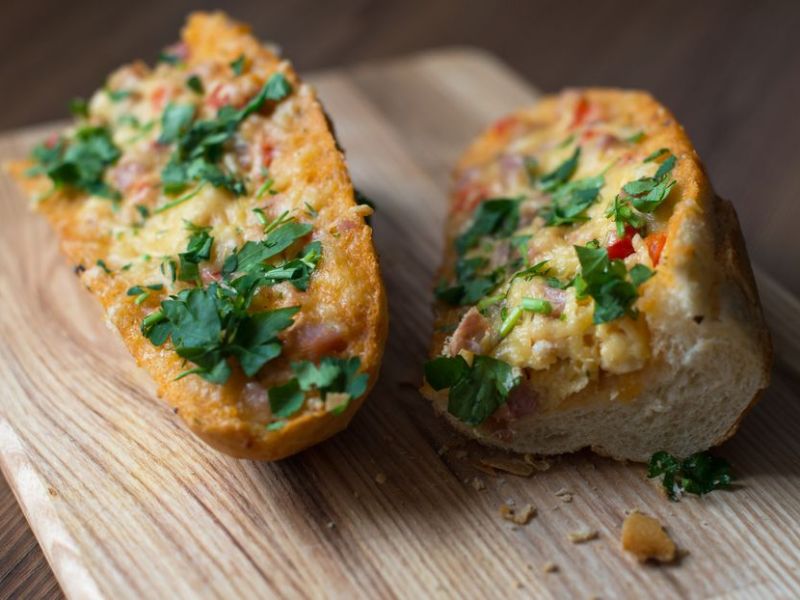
[127, 503]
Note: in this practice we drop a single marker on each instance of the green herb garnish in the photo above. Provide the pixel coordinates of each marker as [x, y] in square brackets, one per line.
[606, 281]
[79, 108]
[79, 163]
[237, 66]
[200, 145]
[474, 392]
[698, 474]
[194, 83]
[571, 201]
[498, 217]
[561, 174]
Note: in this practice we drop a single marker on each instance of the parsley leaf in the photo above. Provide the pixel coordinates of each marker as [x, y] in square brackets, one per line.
[198, 250]
[194, 83]
[470, 285]
[237, 66]
[647, 193]
[200, 143]
[698, 474]
[474, 392]
[209, 326]
[79, 163]
[624, 214]
[498, 217]
[606, 281]
[175, 122]
[561, 174]
[79, 107]
[571, 200]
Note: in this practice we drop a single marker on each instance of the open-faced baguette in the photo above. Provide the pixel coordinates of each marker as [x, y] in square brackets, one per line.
[608, 301]
[205, 202]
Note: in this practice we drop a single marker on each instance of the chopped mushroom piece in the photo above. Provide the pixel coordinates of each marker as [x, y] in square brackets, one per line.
[521, 517]
[645, 538]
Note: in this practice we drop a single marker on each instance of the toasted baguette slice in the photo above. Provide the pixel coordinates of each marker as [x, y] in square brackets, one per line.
[606, 300]
[216, 165]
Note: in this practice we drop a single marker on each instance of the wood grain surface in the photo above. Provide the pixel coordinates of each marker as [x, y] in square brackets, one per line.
[126, 503]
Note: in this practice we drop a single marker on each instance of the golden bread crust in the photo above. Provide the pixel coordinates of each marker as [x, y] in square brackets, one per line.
[345, 296]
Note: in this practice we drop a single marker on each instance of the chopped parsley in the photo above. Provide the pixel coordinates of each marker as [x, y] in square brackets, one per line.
[194, 83]
[237, 66]
[470, 285]
[474, 392]
[118, 95]
[175, 122]
[79, 108]
[498, 217]
[332, 375]
[167, 58]
[571, 200]
[647, 193]
[102, 264]
[79, 163]
[197, 251]
[698, 474]
[635, 138]
[561, 174]
[607, 282]
[208, 326]
[199, 144]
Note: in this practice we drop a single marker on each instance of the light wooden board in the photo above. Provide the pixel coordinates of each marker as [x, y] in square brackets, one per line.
[127, 503]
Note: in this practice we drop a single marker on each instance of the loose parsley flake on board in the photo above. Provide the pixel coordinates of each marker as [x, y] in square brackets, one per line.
[698, 474]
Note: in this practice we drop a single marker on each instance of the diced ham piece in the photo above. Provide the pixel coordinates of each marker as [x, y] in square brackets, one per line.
[557, 299]
[254, 398]
[126, 174]
[522, 401]
[469, 333]
[316, 340]
[209, 274]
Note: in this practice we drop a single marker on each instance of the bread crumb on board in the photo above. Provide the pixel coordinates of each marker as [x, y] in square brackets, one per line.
[550, 567]
[521, 516]
[478, 484]
[565, 495]
[584, 534]
[380, 478]
[540, 464]
[645, 538]
[513, 465]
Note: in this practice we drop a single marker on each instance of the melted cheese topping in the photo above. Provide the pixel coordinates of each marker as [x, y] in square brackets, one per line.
[563, 351]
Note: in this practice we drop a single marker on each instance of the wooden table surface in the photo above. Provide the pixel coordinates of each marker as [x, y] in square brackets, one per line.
[729, 70]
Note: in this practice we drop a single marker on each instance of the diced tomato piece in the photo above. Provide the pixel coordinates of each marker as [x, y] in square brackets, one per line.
[52, 140]
[655, 244]
[158, 97]
[218, 97]
[582, 109]
[469, 196]
[267, 152]
[623, 247]
[505, 125]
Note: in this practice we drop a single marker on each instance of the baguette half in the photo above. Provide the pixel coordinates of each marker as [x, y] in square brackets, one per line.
[606, 301]
[206, 204]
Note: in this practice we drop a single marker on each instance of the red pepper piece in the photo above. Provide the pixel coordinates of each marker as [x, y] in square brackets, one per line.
[655, 244]
[623, 247]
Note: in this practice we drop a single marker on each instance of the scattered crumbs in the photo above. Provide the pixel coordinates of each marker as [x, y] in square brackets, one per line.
[550, 567]
[52, 491]
[521, 516]
[478, 484]
[175, 410]
[513, 465]
[380, 478]
[540, 464]
[520, 585]
[582, 535]
[330, 524]
[564, 494]
[645, 538]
